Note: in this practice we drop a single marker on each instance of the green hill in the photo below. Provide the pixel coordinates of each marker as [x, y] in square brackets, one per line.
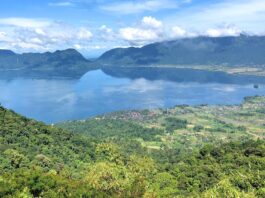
[215, 151]
[221, 51]
[66, 63]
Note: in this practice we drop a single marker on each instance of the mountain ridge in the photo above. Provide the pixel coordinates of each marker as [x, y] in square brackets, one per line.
[68, 63]
[233, 51]
[218, 52]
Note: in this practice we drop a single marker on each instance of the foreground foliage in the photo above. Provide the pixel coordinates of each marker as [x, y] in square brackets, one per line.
[136, 158]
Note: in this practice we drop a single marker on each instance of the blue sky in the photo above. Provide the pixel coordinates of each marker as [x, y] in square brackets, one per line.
[94, 26]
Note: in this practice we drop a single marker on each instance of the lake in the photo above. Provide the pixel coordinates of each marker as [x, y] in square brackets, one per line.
[99, 92]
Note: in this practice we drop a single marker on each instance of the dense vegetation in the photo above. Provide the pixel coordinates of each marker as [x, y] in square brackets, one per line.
[181, 152]
[242, 50]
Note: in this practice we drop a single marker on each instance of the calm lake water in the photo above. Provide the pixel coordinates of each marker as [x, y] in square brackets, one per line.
[95, 93]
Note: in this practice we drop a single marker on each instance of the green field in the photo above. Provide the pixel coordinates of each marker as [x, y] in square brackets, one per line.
[190, 126]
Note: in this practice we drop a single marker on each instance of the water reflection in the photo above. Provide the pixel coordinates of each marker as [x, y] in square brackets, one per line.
[54, 100]
[183, 75]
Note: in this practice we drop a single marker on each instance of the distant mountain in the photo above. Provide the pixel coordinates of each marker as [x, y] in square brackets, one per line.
[230, 51]
[204, 51]
[4, 53]
[66, 63]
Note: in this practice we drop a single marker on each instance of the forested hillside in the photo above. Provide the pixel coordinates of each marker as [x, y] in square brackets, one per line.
[180, 152]
[241, 50]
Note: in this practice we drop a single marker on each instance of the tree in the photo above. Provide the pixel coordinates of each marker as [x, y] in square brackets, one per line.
[225, 189]
[108, 177]
[16, 159]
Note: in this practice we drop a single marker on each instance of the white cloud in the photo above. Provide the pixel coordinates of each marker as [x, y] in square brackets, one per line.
[151, 22]
[25, 22]
[248, 15]
[40, 31]
[223, 31]
[62, 4]
[178, 32]
[88, 47]
[28, 46]
[195, 20]
[78, 46]
[84, 34]
[43, 38]
[36, 40]
[132, 7]
[137, 86]
[104, 28]
[149, 30]
[138, 36]
[2, 35]
[107, 33]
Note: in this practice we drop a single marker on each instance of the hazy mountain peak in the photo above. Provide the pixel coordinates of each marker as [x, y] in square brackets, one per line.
[4, 52]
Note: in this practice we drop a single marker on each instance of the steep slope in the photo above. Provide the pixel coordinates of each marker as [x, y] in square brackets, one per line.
[31, 139]
[231, 51]
[37, 160]
[60, 63]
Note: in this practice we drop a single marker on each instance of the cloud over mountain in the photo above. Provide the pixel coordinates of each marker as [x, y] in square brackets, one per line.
[99, 25]
[41, 35]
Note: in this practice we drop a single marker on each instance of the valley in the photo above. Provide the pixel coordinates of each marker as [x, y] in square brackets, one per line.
[184, 126]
